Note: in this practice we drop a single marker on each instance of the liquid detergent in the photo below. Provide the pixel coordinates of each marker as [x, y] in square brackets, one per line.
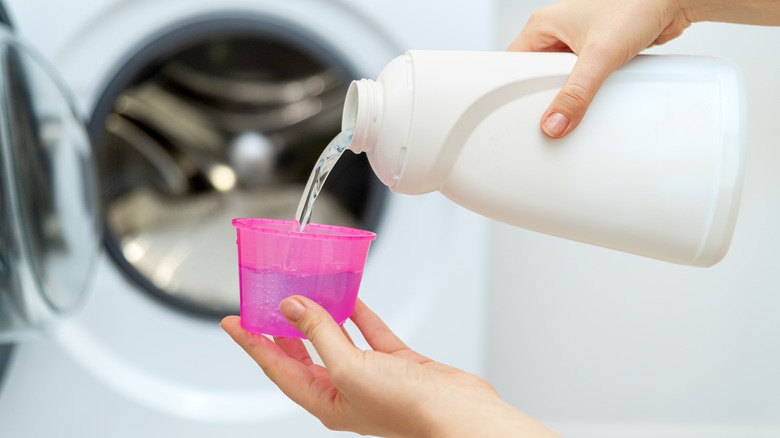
[336, 292]
[654, 169]
[317, 178]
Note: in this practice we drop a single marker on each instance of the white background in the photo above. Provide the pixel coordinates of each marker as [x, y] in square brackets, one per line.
[598, 343]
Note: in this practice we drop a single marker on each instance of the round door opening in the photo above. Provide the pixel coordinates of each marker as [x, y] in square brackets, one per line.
[214, 120]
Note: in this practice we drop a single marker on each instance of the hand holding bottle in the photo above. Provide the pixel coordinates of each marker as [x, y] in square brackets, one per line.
[389, 390]
[606, 34]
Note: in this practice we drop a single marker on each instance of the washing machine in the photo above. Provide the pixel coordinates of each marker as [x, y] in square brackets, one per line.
[177, 116]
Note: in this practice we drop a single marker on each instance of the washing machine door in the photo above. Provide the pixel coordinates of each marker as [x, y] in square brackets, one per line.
[49, 233]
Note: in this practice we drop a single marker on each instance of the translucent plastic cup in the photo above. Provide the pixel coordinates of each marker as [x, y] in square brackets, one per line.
[324, 263]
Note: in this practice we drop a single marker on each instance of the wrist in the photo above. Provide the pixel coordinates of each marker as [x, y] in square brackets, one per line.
[696, 10]
[760, 12]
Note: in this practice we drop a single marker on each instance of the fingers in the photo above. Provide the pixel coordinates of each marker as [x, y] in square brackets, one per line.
[568, 108]
[528, 41]
[295, 349]
[276, 364]
[296, 379]
[538, 35]
[374, 330]
[346, 334]
[320, 328]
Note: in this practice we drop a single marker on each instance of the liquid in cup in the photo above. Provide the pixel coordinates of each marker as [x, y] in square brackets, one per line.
[324, 263]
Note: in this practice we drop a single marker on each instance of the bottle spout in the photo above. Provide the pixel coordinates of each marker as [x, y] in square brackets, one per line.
[361, 114]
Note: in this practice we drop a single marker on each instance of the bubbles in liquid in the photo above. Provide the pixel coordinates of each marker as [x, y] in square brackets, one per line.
[264, 289]
[319, 174]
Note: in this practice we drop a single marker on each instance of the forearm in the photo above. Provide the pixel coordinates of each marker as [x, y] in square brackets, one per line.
[488, 419]
[759, 12]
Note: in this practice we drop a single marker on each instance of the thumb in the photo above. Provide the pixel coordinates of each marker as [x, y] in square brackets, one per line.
[572, 101]
[319, 327]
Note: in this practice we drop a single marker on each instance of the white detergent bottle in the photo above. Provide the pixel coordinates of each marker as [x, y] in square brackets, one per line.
[655, 168]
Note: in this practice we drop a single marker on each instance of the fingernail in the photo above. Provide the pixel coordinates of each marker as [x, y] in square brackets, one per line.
[555, 124]
[292, 309]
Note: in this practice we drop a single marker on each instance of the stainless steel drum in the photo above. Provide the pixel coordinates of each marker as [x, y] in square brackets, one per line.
[214, 120]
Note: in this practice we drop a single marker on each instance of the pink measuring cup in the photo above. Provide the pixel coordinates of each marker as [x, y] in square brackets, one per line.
[324, 263]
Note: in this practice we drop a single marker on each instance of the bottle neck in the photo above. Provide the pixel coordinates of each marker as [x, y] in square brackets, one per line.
[361, 114]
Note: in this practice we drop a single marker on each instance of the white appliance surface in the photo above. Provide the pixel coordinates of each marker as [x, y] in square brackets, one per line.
[127, 366]
[602, 344]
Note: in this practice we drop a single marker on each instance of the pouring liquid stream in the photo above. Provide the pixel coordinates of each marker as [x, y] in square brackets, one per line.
[319, 174]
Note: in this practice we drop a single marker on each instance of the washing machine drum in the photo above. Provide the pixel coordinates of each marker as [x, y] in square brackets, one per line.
[49, 233]
[212, 120]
